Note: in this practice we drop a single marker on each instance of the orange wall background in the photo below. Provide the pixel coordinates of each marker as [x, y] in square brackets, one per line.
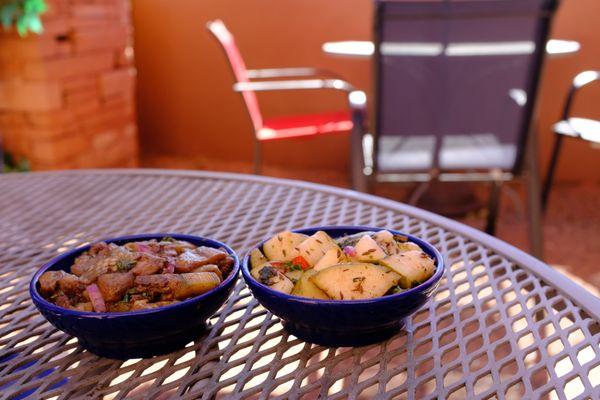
[186, 106]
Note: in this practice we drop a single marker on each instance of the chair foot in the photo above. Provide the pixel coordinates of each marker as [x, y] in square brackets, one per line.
[493, 207]
[534, 198]
[257, 157]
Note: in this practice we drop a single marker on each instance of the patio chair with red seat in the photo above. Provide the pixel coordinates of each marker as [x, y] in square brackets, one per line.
[278, 79]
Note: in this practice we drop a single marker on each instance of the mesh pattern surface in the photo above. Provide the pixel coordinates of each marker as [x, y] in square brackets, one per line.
[495, 329]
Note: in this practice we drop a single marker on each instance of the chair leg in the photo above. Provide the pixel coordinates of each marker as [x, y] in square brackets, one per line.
[257, 157]
[359, 181]
[534, 197]
[418, 192]
[421, 188]
[493, 207]
[548, 182]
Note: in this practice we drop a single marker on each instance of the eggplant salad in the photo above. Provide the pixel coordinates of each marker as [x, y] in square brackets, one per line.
[365, 265]
[136, 276]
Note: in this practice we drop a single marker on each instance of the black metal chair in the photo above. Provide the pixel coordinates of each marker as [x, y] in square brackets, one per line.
[570, 126]
[455, 88]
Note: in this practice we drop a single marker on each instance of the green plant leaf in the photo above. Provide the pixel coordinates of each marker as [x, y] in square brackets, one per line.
[22, 25]
[35, 24]
[24, 14]
[7, 14]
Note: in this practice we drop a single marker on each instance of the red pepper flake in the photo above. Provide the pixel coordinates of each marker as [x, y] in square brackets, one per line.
[277, 264]
[301, 262]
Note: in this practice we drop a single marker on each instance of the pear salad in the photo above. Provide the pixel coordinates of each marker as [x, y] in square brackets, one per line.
[365, 265]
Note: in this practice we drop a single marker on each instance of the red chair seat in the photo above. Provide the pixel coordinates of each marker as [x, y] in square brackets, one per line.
[305, 125]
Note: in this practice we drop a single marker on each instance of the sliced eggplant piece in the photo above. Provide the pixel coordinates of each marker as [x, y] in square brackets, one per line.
[355, 281]
[269, 275]
[306, 288]
[257, 258]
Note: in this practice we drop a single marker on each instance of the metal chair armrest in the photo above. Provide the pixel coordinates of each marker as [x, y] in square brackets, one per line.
[299, 84]
[357, 99]
[268, 73]
[582, 79]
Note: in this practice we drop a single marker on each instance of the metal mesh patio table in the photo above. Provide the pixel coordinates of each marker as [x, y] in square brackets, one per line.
[501, 325]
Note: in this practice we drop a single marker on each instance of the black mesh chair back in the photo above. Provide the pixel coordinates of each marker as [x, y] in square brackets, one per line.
[456, 82]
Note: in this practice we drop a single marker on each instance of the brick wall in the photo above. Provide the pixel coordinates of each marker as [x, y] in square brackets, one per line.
[67, 96]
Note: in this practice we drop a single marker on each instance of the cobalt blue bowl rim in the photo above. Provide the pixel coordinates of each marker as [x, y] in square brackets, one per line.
[39, 299]
[429, 248]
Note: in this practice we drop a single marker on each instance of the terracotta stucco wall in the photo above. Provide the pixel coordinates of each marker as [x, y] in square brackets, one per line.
[67, 95]
[186, 106]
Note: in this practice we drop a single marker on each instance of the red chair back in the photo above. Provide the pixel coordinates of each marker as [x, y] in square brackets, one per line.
[225, 38]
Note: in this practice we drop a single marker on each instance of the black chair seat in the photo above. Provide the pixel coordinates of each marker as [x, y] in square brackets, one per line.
[458, 152]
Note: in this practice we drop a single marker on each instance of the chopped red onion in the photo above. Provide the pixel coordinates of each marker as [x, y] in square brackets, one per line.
[96, 298]
[350, 251]
[170, 267]
[143, 248]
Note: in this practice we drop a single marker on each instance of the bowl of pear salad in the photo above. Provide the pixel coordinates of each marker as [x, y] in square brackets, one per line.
[343, 285]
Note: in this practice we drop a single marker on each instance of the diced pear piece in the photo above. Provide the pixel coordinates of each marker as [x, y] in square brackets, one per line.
[294, 275]
[315, 247]
[283, 285]
[355, 281]
[257, 258]
[306, 288]
[383, 236]
[333, 256]
[282, 247]
[368, 250]
[389, 244]
[413, 265]
[385, 240]
[407, 246]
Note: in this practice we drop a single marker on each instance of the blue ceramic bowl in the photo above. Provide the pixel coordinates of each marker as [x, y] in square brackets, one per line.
[142, 333]
[345, 323]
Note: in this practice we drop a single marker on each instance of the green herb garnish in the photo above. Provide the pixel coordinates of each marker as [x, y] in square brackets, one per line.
[396, 289]
[168, 239]
[125, 265]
